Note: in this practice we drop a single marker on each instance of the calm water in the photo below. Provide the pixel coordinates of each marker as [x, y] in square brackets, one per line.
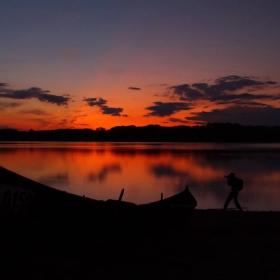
[145, 170]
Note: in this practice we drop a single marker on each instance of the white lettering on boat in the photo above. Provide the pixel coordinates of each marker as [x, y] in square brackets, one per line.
[15, 199]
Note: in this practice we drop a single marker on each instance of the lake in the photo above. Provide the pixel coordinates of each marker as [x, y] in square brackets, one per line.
[145, 170]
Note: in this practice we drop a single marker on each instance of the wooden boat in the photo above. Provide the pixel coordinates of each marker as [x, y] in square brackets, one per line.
[22, 196]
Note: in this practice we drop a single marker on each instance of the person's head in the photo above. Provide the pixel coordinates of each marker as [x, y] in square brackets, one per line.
[230, 176]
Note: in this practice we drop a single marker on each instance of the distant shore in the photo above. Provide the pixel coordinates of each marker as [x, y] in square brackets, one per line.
[207, 244]
[212, 132]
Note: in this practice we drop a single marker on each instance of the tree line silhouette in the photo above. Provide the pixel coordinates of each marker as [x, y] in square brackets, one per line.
[211, 132]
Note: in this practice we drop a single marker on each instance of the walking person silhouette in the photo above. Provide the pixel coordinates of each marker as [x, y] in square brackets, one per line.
[236, 186]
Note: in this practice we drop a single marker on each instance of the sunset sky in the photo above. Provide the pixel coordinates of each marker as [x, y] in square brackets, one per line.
[104, 63]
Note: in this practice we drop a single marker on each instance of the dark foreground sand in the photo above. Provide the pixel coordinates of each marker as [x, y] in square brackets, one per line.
[205, 244]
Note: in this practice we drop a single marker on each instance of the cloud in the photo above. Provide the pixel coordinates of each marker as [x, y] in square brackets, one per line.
[158, 85]
[134, 88]
[245, 115]
[33, 92]
[177, 120]
[185, 92]
[63, 122]
[235, 82]
[35, 112]
[78, 117]
[161, 109]
[83, 124]
[223, 88]
[5, 105]
[3, 87]
[54, 99]
[244, 103]
[243, 96]
[111, 110]
[42, 122]
[106, 110]
[6, 127]
[95, 101]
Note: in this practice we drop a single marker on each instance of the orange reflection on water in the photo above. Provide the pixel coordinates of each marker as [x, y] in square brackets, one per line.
[145, 170]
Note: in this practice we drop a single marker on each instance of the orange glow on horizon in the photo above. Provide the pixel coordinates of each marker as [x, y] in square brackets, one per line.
[34, 114]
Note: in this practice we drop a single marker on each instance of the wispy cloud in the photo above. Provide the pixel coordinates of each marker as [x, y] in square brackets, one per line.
[42, 122]
[35, 112]
[33, 92]
[101, 103]
[176, 120]
[243, 103]
[5, 105]
[77, 118]
[134, 88]
[95, 101]
[6, 127]
[63, 122]
[3, 87]
[232, 98]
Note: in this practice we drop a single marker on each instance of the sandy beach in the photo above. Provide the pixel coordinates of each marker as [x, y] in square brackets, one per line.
[202, 244]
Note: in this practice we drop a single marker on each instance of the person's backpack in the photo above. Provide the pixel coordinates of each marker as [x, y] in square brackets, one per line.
[239, 184]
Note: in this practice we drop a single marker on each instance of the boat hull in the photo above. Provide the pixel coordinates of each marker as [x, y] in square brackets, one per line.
[22, 196]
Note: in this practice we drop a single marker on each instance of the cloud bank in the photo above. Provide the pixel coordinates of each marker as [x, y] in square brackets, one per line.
[234, 98]
[224, 89]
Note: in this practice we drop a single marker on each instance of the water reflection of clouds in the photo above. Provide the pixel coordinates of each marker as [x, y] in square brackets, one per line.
[102, 174]
[165, 170]
[55, 179]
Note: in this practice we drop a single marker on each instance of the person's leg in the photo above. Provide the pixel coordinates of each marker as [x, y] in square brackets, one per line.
[230, 196]
[235, 195]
